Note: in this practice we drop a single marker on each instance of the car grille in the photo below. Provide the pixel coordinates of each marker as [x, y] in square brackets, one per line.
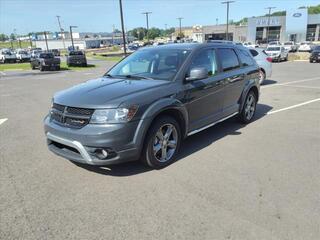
[70, 116]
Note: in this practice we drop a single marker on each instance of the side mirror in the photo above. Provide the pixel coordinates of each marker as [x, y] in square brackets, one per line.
[197, 74]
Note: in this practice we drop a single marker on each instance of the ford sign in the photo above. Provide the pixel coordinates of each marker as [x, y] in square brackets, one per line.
[297, 15]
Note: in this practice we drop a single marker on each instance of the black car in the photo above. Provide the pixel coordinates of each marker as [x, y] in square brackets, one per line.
[315, 54]
[149, 102]
[76, 58]
[45, 61]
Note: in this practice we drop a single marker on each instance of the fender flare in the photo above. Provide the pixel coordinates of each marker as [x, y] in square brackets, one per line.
[251, 84]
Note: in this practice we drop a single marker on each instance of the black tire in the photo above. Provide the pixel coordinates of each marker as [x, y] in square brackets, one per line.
[150, 158]
[262, 76]
[244, 116]
[41, 68]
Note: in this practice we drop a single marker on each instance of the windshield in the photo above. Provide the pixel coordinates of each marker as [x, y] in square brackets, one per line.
[22, 52]
[317, 48]
[273, 43]
[288, 43]
[46, 55]
[273, 49]
[6, 52]
[153, 63]
[75, 53]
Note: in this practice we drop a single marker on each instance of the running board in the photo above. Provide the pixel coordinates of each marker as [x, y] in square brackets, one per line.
[211, 124]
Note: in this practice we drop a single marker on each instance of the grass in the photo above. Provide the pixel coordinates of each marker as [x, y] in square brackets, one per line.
[15, 44]
[26, 66]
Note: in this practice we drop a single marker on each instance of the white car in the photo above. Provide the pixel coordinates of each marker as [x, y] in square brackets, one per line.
[250, 45]
[6, 55]
[274, 43]
[290, 46]
[277, 53]
[23, 55]
[305, 46]
[35, 52]
[264, 62]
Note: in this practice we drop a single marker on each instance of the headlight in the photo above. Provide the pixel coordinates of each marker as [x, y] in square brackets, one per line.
[119, 115]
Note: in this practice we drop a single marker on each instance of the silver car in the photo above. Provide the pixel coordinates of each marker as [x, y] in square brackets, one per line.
[264, 62]
[277, 53]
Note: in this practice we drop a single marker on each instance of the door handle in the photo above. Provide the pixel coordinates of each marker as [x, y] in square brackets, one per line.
[236, 78]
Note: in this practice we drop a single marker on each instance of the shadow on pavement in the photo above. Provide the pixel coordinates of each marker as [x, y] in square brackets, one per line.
[191, 145]
[268, 82]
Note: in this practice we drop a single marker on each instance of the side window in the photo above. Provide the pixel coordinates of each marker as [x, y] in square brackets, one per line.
[253, 52]
[205, 59]
[229, 59]
[245, 58]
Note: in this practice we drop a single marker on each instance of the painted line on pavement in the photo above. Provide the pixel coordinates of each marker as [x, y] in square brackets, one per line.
[287, 83]
[3, 120]
[293, 106]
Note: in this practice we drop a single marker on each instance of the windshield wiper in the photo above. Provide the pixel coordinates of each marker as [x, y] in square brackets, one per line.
[137, 77]
[108, 75]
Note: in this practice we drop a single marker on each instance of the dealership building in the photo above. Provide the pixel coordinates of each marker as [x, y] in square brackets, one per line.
[296, 25]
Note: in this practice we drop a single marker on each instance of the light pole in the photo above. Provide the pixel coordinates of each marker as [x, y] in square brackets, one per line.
[45, 37]
[122, 27]
[227, 2]
[72, 36]
[30, 40]
[268, 22]
[147, 20]
[180, 31]
[61, 32]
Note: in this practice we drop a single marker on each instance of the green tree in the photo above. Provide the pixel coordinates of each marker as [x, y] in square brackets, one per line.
[3, 37]
[12, 36]
[314, 9]
[138, 33]
[154, 33]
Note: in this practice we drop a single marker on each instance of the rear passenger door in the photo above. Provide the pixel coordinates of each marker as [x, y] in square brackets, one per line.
[234, 79]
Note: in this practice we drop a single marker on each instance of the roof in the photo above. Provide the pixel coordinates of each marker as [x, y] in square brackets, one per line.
[192, 46]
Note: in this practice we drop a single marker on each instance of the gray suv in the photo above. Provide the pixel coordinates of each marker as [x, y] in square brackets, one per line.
[149, 102]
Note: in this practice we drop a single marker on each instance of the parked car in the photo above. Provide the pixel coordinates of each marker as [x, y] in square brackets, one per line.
[23, 55]
[250, 45]
[277, 53]
[45, 61]
[290, 46]
[7, 56]
[264, 62]
[305, 46]
[273, 43]
[55, 52]
[76, 58]
[145, 105]
[34, 52]
[315, 54]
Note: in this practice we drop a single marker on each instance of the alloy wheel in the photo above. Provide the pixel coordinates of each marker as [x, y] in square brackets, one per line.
[250, 106]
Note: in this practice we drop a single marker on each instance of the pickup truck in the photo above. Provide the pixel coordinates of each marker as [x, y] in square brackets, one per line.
[6, 55]
[45, 61]
[76, 58]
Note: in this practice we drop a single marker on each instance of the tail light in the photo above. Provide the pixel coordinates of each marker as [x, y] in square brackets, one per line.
[269, 59]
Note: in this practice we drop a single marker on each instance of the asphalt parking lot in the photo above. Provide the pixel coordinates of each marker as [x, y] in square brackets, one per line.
[259, 181]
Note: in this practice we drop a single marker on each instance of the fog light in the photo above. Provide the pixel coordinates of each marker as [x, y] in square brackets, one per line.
[101, 153]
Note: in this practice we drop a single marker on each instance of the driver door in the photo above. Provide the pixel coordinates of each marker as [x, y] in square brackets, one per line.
[204, 99]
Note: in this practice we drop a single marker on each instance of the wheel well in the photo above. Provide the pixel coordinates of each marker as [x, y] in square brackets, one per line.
[263, 70]
[254, 89]
[177, 115]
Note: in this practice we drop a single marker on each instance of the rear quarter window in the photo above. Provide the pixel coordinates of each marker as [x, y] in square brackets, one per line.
[253, 52]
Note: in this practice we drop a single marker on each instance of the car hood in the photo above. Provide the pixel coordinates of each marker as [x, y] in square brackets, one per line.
[106, 92]
[272, 52]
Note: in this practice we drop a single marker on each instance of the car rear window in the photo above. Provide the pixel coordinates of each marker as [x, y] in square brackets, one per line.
[75, 53]
[228, 58]
[46, 55]
[253, 52]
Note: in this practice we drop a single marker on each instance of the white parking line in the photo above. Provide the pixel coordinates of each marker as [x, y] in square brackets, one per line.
[294, 106]
[3, 120]
[287, 83]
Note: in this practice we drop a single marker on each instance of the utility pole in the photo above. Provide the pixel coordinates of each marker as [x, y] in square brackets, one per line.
[45, 37]
[147, 19]
[180, 31]
[217, 21]
[61, 32]
[122, 27]
[19, 42]
[269, 22]
[112, 34]
[30, 40]
[72, 36]
[227, 32]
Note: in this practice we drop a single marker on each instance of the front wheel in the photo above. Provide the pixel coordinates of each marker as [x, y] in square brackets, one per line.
[162, 143]
[249, 108]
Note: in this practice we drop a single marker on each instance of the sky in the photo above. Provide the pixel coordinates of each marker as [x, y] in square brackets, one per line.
[100, 15]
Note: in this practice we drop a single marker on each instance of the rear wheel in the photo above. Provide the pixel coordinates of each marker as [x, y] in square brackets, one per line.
[162, 143]
[262, 76]
[249, 108]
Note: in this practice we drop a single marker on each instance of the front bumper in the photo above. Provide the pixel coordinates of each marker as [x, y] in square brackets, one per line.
[79, 145]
